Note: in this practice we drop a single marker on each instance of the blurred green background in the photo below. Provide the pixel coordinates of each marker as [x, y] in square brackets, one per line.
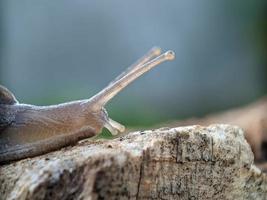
[58, 51]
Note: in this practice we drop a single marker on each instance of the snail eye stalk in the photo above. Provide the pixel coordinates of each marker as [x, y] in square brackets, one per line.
[105, 95]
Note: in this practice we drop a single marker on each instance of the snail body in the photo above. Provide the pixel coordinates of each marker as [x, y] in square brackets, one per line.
[29, 130]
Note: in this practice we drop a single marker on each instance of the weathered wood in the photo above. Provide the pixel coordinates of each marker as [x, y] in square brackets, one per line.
[193, 162]
[252, 118]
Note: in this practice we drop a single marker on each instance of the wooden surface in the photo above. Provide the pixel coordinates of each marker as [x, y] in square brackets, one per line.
[194, 162]
[251, 118]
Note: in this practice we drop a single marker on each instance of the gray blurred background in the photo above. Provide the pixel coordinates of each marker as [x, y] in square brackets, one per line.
[57, 51]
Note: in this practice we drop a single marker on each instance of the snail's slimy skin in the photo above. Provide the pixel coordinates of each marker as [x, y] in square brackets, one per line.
[33, 130]
[29, 130]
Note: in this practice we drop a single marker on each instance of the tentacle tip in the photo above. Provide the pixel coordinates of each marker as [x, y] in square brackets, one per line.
[170, 55]
[114, 127]
[156, 50]
[122, 129]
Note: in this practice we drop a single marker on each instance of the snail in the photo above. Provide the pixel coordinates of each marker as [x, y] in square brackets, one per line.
[29, 130]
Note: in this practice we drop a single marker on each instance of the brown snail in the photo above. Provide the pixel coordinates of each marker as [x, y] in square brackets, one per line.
[29, 130]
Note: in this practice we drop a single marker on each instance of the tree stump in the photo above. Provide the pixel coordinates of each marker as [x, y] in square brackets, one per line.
[193, 162]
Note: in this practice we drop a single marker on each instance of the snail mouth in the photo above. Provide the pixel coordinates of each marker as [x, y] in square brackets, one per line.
[114, 127]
